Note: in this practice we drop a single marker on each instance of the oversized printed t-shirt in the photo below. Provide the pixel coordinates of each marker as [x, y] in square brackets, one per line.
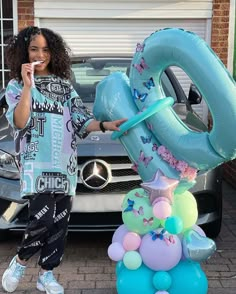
[47, 146]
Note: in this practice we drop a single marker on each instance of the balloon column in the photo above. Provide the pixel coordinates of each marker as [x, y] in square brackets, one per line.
[159, 247]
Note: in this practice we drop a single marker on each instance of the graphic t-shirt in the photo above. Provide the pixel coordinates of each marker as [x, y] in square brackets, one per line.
[47, 146]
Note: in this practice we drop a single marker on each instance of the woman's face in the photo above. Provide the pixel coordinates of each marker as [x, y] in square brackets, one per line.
[38, 51]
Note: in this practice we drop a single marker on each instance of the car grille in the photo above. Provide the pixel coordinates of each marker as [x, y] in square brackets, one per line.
[124, 178]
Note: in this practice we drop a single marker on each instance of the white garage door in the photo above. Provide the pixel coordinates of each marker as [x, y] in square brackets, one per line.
[120, 36]
[93, 36]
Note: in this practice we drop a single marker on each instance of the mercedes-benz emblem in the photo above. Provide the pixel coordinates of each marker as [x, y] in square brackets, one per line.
[95, 174]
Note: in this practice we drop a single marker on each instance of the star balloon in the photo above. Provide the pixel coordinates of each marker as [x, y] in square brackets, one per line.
[160, 187]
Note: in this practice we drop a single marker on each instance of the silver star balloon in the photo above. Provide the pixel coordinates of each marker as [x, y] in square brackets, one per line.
[160, 186]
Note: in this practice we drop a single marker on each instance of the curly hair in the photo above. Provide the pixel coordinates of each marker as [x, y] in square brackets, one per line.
[17, 52]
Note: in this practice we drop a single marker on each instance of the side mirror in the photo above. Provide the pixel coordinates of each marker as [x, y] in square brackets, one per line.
[194, 96]
[3, 102]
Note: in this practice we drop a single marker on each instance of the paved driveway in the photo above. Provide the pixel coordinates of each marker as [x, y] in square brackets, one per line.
[86, 269]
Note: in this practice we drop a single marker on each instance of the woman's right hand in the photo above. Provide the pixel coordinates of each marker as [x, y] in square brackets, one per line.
[26, 73]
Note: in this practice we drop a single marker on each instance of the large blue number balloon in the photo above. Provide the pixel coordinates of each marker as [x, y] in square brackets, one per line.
[187, 51]
[118, 97]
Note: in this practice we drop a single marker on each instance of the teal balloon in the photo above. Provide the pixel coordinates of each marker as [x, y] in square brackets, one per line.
[119, 267]
[135, 281]
[188, 277]
[174, 225]
[117, 97]
[162, 280]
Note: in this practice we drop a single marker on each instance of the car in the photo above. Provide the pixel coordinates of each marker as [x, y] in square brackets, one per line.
[98, 201]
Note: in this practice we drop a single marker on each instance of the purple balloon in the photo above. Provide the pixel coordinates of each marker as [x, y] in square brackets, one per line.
[199, 230]
[160, 252]
[116, 251]
[119, 234]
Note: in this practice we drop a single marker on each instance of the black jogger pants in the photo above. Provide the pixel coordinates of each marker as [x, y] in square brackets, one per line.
[46, 230]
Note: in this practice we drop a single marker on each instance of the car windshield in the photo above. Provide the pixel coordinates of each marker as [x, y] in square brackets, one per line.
[87, 73]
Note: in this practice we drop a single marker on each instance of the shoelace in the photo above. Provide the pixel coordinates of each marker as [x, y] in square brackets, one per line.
[19, 271]
[48, 277]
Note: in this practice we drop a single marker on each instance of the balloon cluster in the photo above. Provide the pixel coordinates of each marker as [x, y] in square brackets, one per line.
[159, 247]
[159, 242]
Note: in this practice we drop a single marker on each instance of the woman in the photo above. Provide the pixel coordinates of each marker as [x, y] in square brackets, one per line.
[47, 116]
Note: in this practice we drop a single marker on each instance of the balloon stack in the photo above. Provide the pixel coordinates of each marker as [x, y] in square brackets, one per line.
[159, 247]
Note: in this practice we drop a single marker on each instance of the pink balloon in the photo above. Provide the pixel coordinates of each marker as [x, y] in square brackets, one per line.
[162, 209]
[116, 251]
[162, 292]
[131, 241]
[119, 234]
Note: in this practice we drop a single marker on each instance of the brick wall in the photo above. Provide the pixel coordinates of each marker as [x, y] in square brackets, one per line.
[220, 28]
[219, 43]
[25, 13]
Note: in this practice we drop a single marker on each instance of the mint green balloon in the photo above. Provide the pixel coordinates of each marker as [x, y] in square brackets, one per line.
[137, 212]
[132, 260]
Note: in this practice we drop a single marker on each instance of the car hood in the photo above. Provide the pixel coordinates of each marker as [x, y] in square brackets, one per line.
[95, 144]
[99, 144]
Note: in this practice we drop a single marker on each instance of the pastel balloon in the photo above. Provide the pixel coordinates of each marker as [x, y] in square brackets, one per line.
[116, 251]
[199, 230]
[186, 209]
[162, 280]
[160, 187]
[162, 209]
[188, 277]
[137, 212]
[174, 225]
[131, 241]
[185, 196]
[160, 252]
[135, 281]
[119, 267]
[132, 260]
[197, 247]
[119, 234]
[162, 292]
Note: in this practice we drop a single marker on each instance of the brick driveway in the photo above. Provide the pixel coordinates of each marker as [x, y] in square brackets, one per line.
[86, 269]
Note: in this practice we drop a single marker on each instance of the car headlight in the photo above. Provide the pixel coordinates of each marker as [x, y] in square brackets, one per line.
[8, 166]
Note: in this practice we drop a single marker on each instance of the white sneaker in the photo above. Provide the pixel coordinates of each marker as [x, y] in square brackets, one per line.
[12, 275]
[47, 283]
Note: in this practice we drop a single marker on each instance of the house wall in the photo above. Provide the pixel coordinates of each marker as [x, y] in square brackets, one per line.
[219, 43]
[220, 28]
[25, 13]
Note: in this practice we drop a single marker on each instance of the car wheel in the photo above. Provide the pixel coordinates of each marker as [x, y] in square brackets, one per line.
[212, 230]
[4, 235]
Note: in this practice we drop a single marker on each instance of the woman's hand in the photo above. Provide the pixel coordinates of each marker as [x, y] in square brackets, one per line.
[26, 73]
[113, 125]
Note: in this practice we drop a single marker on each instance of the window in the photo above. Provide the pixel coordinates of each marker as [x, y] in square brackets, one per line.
[7, 29]
[234, 62]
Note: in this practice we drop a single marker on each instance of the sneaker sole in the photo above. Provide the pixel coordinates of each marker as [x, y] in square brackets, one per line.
[41, 288]
[4, 284]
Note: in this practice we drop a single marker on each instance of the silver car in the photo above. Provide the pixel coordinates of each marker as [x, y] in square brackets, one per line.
[98, 200]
